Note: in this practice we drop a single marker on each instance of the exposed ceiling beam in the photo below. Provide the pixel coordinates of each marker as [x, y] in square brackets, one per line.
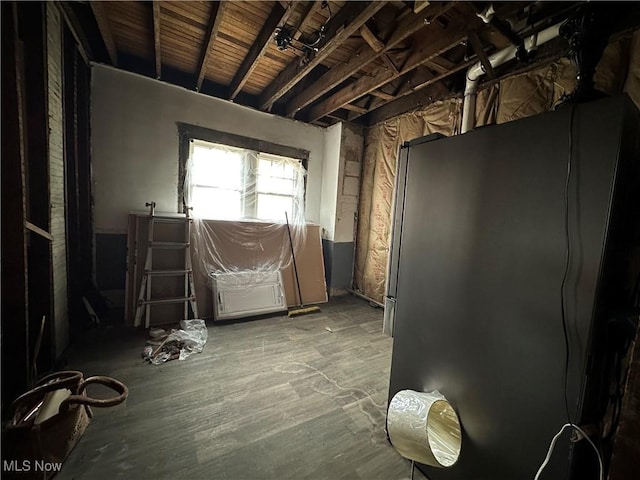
[239, 43]
[218, 9]
[156, 37]
[393, 87]
[278, 16]
[339, 117]
[382, 95]
[377, 103]
[422, 80]
[426, 93]
[420, 77]
[420, 5]
[145, 66]
[405, 104]
[476, 44]
[102, 19]
[409, 25]
[368, 36]
[390, 63]
[310, 9]
[355, 108]
[344, 24]
[434, 42]
[441, 64]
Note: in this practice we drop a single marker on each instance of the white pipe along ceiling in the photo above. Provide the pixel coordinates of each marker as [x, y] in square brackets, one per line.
[476, 71]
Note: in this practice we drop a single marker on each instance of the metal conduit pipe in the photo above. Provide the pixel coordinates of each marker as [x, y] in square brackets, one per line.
[477, 70]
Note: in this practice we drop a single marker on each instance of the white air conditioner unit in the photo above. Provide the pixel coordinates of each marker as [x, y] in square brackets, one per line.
[247, 293]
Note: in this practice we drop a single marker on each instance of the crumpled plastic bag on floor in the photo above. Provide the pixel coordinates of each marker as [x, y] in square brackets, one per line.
[177, 344]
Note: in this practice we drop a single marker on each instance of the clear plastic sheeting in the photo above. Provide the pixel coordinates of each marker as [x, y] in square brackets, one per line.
[424, 427]
[177, 344]
[239, 199]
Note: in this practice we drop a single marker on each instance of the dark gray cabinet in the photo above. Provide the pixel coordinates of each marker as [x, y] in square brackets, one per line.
[478, 258]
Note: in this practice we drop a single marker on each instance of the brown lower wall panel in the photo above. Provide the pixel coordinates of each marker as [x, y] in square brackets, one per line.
[230, 238]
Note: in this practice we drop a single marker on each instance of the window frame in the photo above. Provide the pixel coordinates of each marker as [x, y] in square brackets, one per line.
[188, 132]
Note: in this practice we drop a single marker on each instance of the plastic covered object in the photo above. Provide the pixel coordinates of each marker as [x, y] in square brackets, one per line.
[239, 199]
[424, 427]
[179, 344]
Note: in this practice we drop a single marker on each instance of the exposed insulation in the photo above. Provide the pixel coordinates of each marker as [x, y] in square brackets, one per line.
[632, 84]
[376, 192]
[515, 97]
[487, 106]
[611, 71]
[535, 92]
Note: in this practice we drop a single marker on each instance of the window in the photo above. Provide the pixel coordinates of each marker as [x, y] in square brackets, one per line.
[235, 183]
[275, 187]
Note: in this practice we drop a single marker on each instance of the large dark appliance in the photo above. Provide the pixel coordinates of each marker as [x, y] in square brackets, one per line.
[477, 264]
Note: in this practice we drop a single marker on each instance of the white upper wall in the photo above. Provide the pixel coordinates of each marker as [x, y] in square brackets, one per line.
[330, 174]
[135, 142]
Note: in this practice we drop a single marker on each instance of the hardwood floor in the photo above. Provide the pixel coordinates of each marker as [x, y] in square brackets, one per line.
[275, 398]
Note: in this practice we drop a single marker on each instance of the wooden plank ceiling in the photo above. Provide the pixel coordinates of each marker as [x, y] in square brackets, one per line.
[371, 54]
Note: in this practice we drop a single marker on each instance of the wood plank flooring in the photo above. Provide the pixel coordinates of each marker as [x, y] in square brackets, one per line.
[274, 398]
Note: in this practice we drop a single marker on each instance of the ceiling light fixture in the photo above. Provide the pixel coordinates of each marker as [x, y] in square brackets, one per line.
[308, 46]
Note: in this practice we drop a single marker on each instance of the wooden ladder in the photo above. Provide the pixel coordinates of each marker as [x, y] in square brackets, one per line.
[145, 299]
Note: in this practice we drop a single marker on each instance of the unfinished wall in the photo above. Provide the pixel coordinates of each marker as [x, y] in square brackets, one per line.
[135, 153]
[376, 190]
[351, 148]
[56, 177]
[514, 97]
[330, 172]
[340, 185]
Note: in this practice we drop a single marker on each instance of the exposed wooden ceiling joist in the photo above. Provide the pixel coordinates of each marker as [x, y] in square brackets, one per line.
[440, 64]
[421, 98]
[354, 14]
[409, 25]
[310, 9]
[374, 52]
[368, 36]
[390, 63]
[338, 116]
[418, 78]
[427, 93]
[355, 108]
[156, 37]
[382, 95]
[433, 43]
[278, 16]
[421, 83]
[105, 30]
[423, 79]
[215, 19]
[476, 44]
[420, 5]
